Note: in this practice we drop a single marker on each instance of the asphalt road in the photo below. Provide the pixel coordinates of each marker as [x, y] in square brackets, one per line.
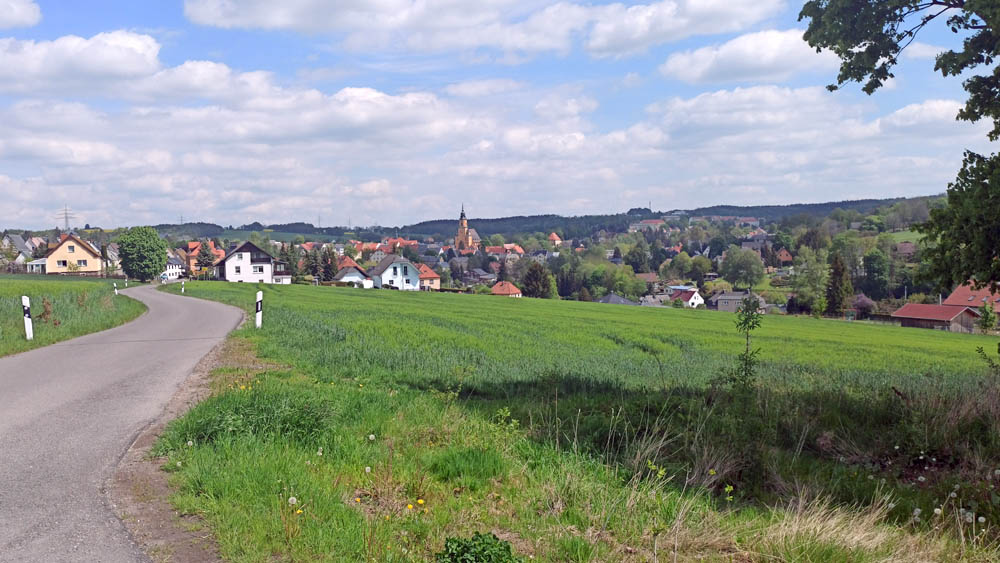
[69, 411]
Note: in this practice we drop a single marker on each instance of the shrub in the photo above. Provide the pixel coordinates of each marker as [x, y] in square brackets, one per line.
[480, 548]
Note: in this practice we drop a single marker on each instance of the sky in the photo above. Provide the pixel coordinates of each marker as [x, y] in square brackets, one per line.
[391, 112]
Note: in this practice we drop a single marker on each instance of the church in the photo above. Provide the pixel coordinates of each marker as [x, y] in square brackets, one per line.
[466, 238]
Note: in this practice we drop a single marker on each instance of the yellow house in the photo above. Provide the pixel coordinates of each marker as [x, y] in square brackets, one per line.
[72, 256]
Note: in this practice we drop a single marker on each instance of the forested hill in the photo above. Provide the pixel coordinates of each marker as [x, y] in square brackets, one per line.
[778, 212]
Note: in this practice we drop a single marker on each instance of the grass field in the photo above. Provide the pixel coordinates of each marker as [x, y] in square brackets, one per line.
[61, 307]
[900, 236]
[586, 432]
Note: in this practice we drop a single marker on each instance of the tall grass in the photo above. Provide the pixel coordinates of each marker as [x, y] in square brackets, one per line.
[61, 307]
[589, 432]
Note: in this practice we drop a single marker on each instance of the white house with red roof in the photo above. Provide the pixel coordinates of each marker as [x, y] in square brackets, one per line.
[689, 297]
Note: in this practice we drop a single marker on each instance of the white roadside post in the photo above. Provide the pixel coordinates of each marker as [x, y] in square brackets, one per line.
[260, 299]
[116, 287]
[126, 283]
[182, 286]
[29, 331]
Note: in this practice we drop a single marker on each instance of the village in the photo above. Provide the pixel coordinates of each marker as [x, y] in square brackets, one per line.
[846, 266]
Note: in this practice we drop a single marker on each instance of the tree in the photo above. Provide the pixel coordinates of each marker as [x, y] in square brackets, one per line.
[699, 267]
[142, 252]
[809, 281]
[863, 305]
[584, 295]
[876, 284]
[988, 320]
[536, 282]
[637, 258]
[680, 265]
[502, 274]
[329, 265]
[742, 267]
[868, 36]
[838, 288]
[205, 258]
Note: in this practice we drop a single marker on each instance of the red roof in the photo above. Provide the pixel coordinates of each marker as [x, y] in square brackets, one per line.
[931, 312]
[785, 256]
[965, 296]
[684, 296]
[426, 273]
[195, 247]
[308, 246]
[347, 262]
[652, 221]
[554, 238]
[505, 288]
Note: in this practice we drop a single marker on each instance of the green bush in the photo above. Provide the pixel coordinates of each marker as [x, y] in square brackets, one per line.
[480, 548]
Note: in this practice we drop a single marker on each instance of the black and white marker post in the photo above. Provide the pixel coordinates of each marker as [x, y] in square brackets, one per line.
[116, 287]
[182, 286]
[29, 331]
[260, 309]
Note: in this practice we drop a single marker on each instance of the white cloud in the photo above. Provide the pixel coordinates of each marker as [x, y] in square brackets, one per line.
[918, 50]
[511, 26]
[481, 88]
[69, 61]
[19, 13]
[621, 30]
[761, 56]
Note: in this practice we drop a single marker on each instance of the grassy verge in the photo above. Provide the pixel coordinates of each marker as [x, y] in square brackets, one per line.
[61, 307]
[582, 432]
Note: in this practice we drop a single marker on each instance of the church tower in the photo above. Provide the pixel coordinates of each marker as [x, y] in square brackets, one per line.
[462, 238]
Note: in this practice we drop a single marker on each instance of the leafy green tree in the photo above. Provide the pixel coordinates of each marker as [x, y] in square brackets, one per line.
[329, 265]
[699, 267]
[536, 282]
[748, 319]
[680, 265]
[584, 295]
[839, 290]
[869, 36]
[143, 253]
[637, 257]
[988, 320]
[876, 284]
[809, 280]
[205, 258]
[502, 275]
[742, 267]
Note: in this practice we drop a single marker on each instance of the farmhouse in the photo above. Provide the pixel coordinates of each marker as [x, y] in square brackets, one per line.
[248, 263]
[72, 256]
[506, 289]
[940, 317]
[966, 296]
[396, 272]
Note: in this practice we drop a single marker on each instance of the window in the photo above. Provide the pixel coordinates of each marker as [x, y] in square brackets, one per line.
[258, 269]
[395, 271]
[61, 263]
[71, 249]
[237, 269]
[406, 272]
[81, 263]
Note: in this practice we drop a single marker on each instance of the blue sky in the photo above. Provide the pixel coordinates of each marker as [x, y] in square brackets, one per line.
[396, 111]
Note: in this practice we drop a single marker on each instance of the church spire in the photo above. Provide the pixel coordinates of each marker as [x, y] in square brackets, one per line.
[462, 216]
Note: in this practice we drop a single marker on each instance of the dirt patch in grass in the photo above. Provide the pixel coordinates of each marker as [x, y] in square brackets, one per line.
[139, 492]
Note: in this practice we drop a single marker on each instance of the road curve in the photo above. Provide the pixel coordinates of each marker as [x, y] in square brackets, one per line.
[69, 411]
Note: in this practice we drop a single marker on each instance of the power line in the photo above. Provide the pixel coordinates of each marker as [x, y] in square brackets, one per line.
[65, 215]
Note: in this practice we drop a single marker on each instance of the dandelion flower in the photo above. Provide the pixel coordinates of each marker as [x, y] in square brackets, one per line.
[409, 507]
[981, 519]
[357, 499]
[937, 512]
[952, 494]
[916, 512]
[368, 469]
[386, 516]
[293, 501]
[956, 486]
[420, 501]
[897, 447]
[425, 511]
[870, 477]
[319, 452]
[968, 518]
[371, 437]
[299, 511]
[190, 443]
[921, 478]
[178, 464]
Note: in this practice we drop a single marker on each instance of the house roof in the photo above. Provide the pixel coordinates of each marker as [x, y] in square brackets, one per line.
[175, 261]
[240, 248]
[347, 262]
[906, 247]
[195, 247]
[554, 237]
[85, 245]
[784, 255]
[615, 299]
[932, 312]
[650, 277]
[386, 263]
[345, 271]
[19, 244]
[308, 246]
[426, 273]
[651, 221]
[684, 296]
[965, 296]
[505, 288]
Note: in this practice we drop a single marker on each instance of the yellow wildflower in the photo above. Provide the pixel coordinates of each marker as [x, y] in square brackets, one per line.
[357, 499]
[299, 511]
[409, 507]
[420, 501]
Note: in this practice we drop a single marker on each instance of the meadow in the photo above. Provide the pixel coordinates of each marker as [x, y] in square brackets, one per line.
[585, 432]
[61, 307]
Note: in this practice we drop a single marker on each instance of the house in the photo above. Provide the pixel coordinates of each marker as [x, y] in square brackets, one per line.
[354, 275]
[71, 255]
[615, 299]
[646, 225]
[554, 239]
[785, 257]
[508, 252]
[396, 272]
[906, 250]
[174, 268]
[192, 250]
[730, 301]
[429, 279]
[506, 289]
[940, 317]
[479, 275]
[653, 282]
[248, 263]
[689, 297]
[15, 242]
[966, 296]
[748, 221]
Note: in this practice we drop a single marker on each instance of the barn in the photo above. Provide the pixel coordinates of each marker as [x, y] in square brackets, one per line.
[940, 317]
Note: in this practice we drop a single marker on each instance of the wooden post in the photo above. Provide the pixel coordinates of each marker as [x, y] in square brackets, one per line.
[260, 310]
[29, 331]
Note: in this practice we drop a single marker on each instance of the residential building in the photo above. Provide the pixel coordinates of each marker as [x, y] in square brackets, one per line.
[785, 257]
[940, 317]
[506, 289]
[967, 296]
[396, 272]
[192, 251]
[248, 263]
[429, 279]
[906, 249]
[554, 239]
[36, 266]
[615, 299]
[731, 301]
[71, 255]
[689, 297]
[646, 225]
[174, 268]
[15, 242]
[354, 275]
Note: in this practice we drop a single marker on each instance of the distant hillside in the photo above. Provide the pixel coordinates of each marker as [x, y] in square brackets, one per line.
[189, 230]
[568, 227]
[778, 212]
